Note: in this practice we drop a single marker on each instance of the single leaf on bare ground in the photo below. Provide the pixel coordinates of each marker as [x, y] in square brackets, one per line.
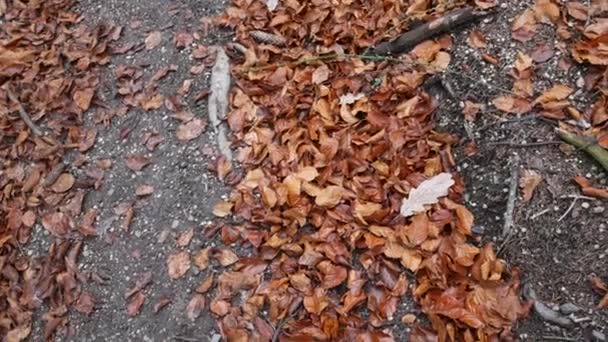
[162, 302]
[428, 192]
[184, 238]
[153, 40]
[144, 190]
[136, 162]
[528, 183]
[178, 264]
[135, 303]
[190, 130]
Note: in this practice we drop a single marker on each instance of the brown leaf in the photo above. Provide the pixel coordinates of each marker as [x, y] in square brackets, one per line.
[528, 183]
[222, 209]
[330, 196]
[178, 264]
[83, 98]
[476, 39]
[144, 190]
[201, 258]
[205, 285]
[557, 93]
[153, 40]
[135, 303]
[56, 223]
[184, 238]
[136, 162]
[320, 75]
[63, 183]
[195, 307]
[512, 104]
[219, 307]
[190, 130]
[226, 257]
[162, 302]
[85, 303]
[542, 53]
[316, 303]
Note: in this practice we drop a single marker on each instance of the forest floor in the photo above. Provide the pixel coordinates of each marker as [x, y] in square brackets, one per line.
[558, 240]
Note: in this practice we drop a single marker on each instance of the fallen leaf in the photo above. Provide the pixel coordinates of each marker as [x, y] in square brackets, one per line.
[178, 264]
[222, 209]
[219, 307]
[135, 303]
[476, 40]
[195, 307]
[163, 302]
[511, 104]
[556, 93]
[190, 130]
[144, 190]
[153, 40]
[528, 183]
[184, 238]
[83, 98]
[428, 192]
[63, 183]
[329, 196]
[136, 162]
[320, 75]
[205, 285]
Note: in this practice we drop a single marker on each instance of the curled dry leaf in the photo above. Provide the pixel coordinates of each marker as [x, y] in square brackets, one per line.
[528, 183]
[428, 192]
[178, 264]
[330, 196]
[511, 104]
[83, 98]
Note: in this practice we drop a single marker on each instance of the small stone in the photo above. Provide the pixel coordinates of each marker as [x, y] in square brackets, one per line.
[585, 205]
[598, 210]
[569, 308]
[215, 338]
[408, 319]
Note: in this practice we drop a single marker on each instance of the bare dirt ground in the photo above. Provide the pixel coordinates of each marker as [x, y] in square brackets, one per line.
[555, 254]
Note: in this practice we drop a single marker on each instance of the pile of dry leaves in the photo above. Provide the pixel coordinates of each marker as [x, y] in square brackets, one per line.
[331, 143]
[48, 60]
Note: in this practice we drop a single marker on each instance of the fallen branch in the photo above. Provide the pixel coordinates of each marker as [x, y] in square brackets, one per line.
[514, 182]
[23, 114]
[593, 149]
[218, 101]
[408, 40]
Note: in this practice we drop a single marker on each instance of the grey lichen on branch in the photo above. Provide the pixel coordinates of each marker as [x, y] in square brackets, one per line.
[598, 153]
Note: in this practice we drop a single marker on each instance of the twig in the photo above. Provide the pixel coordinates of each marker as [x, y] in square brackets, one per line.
[433, 28]
[593, 149]
[532, 144]
[506, 229]
[568, 210]
[502, 122]
[540, 213]
[588, 198]
[23, 114]
[184, 338]
[558, 338]
[55, 172]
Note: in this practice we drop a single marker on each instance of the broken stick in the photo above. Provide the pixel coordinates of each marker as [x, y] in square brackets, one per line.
[410, 39]
[218, 101]
[23, 114]
[513, 183]
[593, 149]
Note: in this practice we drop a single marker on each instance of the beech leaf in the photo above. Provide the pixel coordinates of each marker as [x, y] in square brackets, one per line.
[428, 192]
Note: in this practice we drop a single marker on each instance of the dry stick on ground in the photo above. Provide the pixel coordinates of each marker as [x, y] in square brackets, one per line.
[218, 101]
[433, 28]
[514, 182]
[23, 114]
[593, 149]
